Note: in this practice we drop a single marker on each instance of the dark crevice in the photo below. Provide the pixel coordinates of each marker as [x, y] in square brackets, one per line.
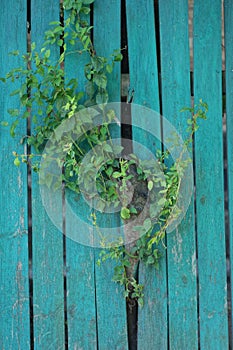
[96, 309]
[64, 218]
[194, 172]
[64, 266]
[126, 137]
[132, 319]
[194, 166]
[124, 40]
[226, 192]
[192, 83]
[29, 203]
[159, 60]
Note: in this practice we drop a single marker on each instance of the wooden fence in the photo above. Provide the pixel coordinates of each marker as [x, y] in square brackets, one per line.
[48, 302]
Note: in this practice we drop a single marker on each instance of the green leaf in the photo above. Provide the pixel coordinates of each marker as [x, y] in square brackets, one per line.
[133, 210]
[109, 171]
[118, 57]
[140, 302]
[17, 161]
[101, 98]
[12, 128]
[118, 149]
[85, 10]
[109, 68]
[13, 111]
[125, 213]
[47, 54]
[15, 92]
[54, 23]
[150, 260]
[116, 174]
[14, 53]
[60, 43]
[100, 80]
[150, 185]
[107, 147]
[162, 201]
[3, 123]
[147, 224]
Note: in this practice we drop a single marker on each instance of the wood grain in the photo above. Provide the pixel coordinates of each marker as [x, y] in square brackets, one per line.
[14, 288]
[228, 20]
[181, 249]
[209, 177]
[112, 321]
[47, 240]
[152, 318]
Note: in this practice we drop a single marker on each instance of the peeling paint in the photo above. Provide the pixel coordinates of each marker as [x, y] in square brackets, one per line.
[177, 248]
[194, 265]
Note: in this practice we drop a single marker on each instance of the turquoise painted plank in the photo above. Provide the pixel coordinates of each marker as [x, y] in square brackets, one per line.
[181, 247]
[80, 259]
[47, 240]
[142, 67]
[107, 38]
[14, 290]
[111, 315]
[152, 318]
[209, 177]
[228, 20]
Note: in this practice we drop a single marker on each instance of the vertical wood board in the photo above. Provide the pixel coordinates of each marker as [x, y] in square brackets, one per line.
[80, 260]
[209, 177]
[47, 240]
[152, 318]
[14, 287]
[111, 307]
[228, 21]
[181, 249]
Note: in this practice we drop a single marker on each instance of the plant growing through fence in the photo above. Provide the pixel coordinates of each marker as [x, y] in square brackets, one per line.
[48, 98]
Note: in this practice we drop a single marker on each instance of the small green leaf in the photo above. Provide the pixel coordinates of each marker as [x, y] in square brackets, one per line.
[13, 111]
[14, 53]
[150, 260]
[15, 92]
[60, 43]
[109, 68]
[125, 213]
[150, 185]
[47, 54]
[17, 161]
[4, 123]
[133, 210]
[109, 171]
[147, 224]
[12, 128]
[140, 302]
[100, 80]
[87, 2]
[116, 174]
[107, 147]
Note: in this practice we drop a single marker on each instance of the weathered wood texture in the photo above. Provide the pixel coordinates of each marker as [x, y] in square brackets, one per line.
[112, 322]
[228, 20]
[152, 319]
[14, 285]
[181, 250]
[186, 300]
[209, 178]
[47, 241]
[80, 259]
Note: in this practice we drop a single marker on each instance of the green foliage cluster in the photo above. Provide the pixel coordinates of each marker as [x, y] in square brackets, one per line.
[48, 98]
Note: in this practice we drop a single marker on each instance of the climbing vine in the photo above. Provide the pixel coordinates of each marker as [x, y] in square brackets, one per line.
[48, 98]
